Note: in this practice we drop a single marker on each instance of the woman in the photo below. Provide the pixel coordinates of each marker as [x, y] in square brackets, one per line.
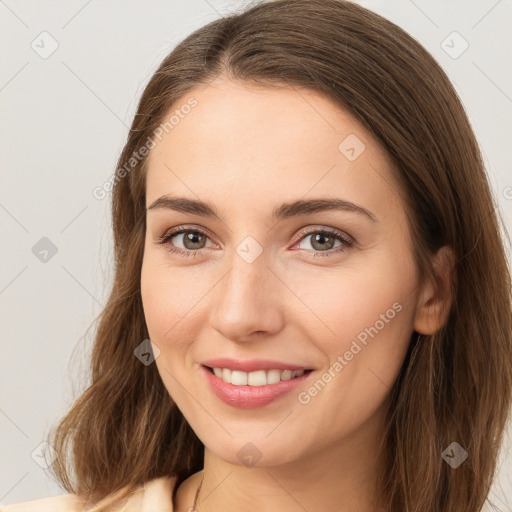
[304, 230]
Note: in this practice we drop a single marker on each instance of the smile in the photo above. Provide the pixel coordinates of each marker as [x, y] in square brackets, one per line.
[256, 378]
[253, 389]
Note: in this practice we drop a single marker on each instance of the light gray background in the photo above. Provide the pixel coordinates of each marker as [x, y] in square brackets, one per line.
[63, 122]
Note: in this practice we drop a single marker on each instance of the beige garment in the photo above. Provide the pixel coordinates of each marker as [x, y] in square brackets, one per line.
[153, 496]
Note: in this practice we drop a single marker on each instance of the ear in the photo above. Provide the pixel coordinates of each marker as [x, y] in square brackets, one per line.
[436, 296]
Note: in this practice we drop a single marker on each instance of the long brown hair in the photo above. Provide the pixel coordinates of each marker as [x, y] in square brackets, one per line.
[455, 385]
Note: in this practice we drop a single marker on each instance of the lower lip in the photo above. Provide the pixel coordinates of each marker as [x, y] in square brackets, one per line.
[248, 397]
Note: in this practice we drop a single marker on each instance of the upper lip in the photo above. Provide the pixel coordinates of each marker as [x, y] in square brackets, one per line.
[252, 365]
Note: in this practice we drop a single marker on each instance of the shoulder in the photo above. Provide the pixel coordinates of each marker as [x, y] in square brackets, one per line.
[56, 503]
[153, 496]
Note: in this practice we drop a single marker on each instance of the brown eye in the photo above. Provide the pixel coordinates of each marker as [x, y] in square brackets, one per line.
[324, 240]
[321, 241]
[193, 240]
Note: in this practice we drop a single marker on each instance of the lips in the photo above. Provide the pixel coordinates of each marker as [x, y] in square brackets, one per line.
[246, 396]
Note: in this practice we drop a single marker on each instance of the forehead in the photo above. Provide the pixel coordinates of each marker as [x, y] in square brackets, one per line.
[252, 144]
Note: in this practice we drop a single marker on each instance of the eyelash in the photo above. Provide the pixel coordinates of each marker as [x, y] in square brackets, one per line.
[347, 241]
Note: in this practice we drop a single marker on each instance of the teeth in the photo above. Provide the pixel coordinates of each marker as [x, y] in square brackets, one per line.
[226, 374]
[286, 375]
[239, 378]
[273, 376]
[257, 378]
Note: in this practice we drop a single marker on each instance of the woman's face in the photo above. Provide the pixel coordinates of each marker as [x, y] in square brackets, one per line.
[259, 286]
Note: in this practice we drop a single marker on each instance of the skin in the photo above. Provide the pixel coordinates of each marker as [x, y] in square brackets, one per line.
[248, 149]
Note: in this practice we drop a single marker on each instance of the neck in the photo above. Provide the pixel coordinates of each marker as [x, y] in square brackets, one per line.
[342, 477]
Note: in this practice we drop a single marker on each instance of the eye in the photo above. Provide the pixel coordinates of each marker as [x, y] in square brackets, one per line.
[194, 240]
[323, 240]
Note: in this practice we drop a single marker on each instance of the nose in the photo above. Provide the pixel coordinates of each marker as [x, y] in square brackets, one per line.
[248, 300]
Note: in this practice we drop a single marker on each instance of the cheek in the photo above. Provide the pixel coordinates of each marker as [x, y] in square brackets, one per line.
[160, 299]
[371, 315]
[171, 298]
[364, 314]
[157, 304]
[169, 316]
[341, 303]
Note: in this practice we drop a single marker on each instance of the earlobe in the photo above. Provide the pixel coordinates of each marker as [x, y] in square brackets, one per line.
[436, 297]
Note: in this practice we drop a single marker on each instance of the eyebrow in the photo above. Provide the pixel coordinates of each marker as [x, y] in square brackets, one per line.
[284, 211]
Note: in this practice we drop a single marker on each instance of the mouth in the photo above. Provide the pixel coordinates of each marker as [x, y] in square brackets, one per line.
[259, 388]
[255, 378]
